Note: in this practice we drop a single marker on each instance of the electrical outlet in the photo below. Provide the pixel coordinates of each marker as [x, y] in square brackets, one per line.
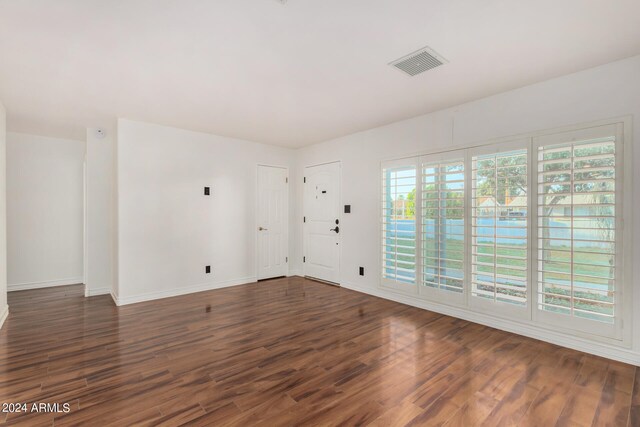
[207, 269]
[362, 271]
[207, 191]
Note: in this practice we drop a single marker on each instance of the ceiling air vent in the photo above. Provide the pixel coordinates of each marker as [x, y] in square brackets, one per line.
[419, 61]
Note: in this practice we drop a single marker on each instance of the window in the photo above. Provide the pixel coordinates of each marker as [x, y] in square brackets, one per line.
[529, 229]
[399, 224]
[578, 208]
[499, 231]
[443, 240]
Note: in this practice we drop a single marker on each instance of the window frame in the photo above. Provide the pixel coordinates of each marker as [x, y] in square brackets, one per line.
[584, 325]
[510, 311]
[394, 285]
[450, 298]
[621, 337]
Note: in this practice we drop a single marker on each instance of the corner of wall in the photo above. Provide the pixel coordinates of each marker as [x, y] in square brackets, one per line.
[295, 213]
[115, 272]
[4, 313]
[101, 210]
[4, 308]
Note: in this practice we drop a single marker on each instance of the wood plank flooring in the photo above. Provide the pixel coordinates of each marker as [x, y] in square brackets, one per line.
[292, 352]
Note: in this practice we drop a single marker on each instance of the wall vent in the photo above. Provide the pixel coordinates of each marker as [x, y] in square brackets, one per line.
[419, 61]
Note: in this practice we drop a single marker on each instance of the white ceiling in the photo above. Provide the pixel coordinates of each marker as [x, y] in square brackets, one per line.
[289, 75]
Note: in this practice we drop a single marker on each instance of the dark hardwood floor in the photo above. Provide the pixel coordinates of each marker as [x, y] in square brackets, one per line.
[291, 352]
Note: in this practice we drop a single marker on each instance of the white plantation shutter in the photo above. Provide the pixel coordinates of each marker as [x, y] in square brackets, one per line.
[399, 226]
[577, 234]
[443, 225]
[529, 229]
[499, 232]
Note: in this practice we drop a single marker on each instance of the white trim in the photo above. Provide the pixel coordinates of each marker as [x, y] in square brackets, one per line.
[3, 315]
[48, 284]
[94, 292]
[508, 325]
[627, 230]
[181, 291]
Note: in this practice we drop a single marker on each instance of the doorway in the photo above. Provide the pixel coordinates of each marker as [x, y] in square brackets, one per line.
[272, 222]
[322, 222]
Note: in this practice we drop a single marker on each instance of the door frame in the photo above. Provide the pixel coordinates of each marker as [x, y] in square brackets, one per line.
[286, 218]
[340, 212]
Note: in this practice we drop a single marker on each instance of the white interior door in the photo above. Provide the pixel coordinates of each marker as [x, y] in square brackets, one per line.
[272, 222]
[322, 222]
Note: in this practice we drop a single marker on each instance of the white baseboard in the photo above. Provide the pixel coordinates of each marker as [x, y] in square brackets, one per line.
[120, 301]
[114, 297]
[563, 340]
[47, 284]
[98, 291]
[4, 313]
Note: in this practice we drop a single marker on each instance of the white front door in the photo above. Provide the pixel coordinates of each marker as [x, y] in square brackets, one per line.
[272, 222]
[322, 222]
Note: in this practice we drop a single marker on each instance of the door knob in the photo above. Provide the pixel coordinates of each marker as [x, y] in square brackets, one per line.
[337, 230]
[262, 229]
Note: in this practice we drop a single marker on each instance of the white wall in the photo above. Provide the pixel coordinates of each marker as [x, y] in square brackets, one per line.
[4, 308]
[168, 231]
[44, 211]
[605, 92]
[114, 221]
[100, 212]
